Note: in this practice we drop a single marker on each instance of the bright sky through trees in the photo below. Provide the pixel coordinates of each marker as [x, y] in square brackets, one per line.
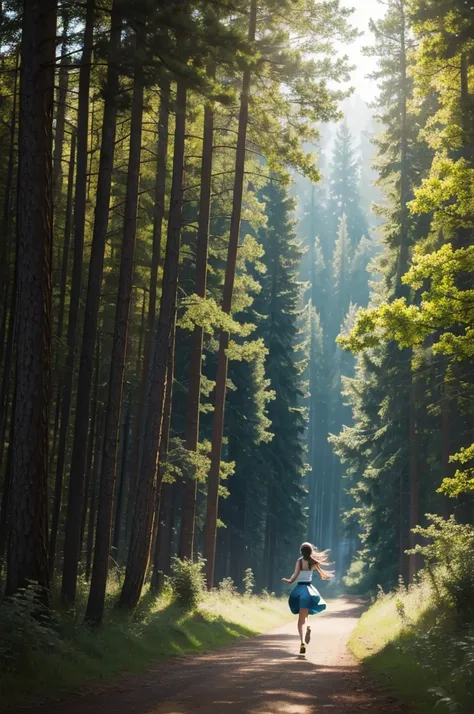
[364, 10]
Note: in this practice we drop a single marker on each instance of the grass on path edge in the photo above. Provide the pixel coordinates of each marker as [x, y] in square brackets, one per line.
[124, 646]
[384, 645]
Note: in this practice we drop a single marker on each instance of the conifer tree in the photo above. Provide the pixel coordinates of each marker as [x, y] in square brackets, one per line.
[27, 525]
[279, 303]
[389, 456]
[344, 196]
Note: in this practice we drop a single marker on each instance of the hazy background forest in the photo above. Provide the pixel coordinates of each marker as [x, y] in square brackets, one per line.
[235, 294]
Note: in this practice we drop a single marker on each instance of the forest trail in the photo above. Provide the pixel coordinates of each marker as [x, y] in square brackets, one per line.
[262, 675]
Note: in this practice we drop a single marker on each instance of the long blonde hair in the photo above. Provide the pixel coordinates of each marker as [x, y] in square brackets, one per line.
[317, 559]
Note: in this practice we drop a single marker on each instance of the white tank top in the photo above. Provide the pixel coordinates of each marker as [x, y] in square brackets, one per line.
[304, 576]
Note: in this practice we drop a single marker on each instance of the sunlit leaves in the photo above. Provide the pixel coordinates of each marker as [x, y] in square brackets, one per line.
[463, 479]
[207, 314]
[448, 193]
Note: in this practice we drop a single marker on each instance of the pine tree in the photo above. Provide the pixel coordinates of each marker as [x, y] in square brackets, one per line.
[284, 456]
[317, 424]
[341, 266]
[344, 196]
[383, 447]
[74, 505]
[27, 524]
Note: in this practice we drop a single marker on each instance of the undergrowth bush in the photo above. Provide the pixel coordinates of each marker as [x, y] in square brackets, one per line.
[448, 554]
[227, 587]
[364, 575]
[187, 582]
[27, 630]
[249, 582]
[444, 642]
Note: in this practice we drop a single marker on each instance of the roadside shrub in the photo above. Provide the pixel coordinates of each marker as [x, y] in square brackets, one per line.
[227, 587]
[26, 631]
[449, 558]
[249, 582]
[187, 582]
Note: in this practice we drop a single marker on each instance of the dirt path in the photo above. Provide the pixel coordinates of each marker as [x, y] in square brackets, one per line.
[262, 675]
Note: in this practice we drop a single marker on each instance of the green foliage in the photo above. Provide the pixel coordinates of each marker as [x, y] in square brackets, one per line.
[421, 639]
[344, 195]
[357, 578]
[27, 632]
[227, 587]
[444, 309]
[249, 582]
[72, 656]
[448, 193]
[205, 313]
[463, 479]
[403, 646]
[187, 582]
[449, 558]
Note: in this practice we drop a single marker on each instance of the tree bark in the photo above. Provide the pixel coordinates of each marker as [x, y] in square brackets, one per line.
[74, 505]
[120, 492]
[186, 544]
[91, 441]
[313, 479]
[6, 243]
[58, 488]
[61, 99]
[159, 210]
[95, 605]
[222, 359]
[94, 491]
[158, 550]
[414, 560]
[139, 550]
[446, 438]
[409, 475]
[7, 347]
[27, 527]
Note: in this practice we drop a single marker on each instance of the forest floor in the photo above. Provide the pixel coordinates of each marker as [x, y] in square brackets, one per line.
[261, 675]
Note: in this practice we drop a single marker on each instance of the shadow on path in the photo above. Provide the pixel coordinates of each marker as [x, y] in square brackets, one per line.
[263, 675]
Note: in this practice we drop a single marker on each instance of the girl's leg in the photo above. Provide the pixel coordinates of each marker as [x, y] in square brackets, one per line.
[304, 612]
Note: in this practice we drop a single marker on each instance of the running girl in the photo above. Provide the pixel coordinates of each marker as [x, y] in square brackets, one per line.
[304, 599]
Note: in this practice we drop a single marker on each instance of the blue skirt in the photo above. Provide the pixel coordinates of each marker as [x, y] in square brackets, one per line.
[305, 595]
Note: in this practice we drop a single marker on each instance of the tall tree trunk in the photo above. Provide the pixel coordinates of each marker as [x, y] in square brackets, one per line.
[222, 359]
[120, 491]
[94, 492]
[160, 534]
[164, 534]
[61, 99]
[27, 549]
[7, 375]
[91, 441]
[5, 505]
[95, 605]
[9, 303]
[74, 505]
[446, 438]
[139, 550]
[78, 461]
[158, 214]
[312, 431]
[265, 573]
[414, 560]
[91, 150]
[62, 299]
[96, 264]
[6, 238]
[186, 543]
[409, 474]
